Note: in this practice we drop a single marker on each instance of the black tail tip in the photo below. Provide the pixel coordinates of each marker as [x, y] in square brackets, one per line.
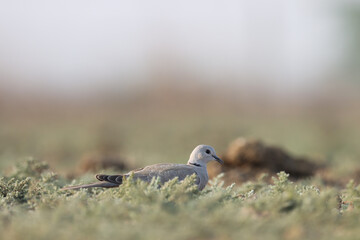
[100, 177]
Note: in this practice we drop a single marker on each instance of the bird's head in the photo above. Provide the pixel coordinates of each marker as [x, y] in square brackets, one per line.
[203, 154]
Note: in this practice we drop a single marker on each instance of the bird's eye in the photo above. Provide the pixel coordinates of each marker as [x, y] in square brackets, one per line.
[207, 151]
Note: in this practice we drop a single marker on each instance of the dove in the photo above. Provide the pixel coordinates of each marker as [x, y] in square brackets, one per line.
[198, 160]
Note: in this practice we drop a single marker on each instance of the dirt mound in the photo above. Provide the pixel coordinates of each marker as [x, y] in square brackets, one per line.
[246, 159]
[356, 176]
[96, 162]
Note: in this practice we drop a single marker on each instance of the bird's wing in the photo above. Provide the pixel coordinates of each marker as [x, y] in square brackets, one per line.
[165, 172]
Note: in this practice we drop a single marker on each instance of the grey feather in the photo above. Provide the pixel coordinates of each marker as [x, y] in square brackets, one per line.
[101, 184]
[165, 172]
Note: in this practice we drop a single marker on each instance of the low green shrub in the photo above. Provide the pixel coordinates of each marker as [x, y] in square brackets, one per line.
[33, 206]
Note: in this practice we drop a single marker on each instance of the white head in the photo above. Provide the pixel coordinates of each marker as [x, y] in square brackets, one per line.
[203, 154]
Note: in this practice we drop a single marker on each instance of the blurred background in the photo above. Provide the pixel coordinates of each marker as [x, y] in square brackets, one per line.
[147, 81]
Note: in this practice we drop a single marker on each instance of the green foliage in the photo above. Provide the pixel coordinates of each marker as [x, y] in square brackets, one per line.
[351, 196]
[33, 206]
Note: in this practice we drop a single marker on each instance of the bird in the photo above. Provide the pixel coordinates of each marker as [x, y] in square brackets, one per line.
[199, 157]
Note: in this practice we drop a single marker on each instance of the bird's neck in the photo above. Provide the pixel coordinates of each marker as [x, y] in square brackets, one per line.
[195, 163]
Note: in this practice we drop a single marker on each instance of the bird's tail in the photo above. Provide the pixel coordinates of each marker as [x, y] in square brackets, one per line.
[101, 184]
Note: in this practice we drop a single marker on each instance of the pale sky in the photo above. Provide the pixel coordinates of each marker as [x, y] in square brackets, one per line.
[80, 45]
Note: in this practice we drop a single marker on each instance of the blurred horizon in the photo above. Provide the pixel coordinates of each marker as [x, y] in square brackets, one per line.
[73, 50]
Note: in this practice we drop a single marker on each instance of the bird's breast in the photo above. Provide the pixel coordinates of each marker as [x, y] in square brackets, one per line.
[203, 177]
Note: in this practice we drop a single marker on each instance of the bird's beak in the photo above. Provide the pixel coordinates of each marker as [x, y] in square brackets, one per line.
[218, 159]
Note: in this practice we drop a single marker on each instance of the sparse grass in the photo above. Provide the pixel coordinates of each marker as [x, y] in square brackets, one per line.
[171, 139]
